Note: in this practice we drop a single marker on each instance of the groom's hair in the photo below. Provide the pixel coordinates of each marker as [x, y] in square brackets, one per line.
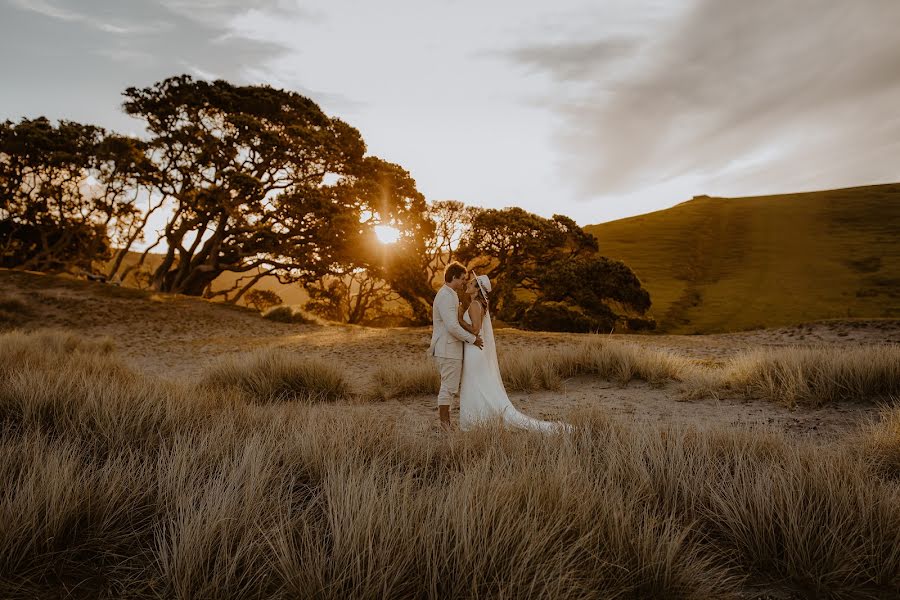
[453, 271]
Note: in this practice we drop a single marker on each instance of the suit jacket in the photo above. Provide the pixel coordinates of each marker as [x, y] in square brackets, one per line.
[448, 336]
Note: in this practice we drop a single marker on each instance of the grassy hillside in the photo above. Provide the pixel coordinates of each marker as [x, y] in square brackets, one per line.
[726, 264]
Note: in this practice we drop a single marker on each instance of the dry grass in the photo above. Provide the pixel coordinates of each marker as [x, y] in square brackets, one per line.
[12, 307]
[277, 375]
[881, 441]
[401, 379]
[531, 370]
[117, 485]
[810, 376]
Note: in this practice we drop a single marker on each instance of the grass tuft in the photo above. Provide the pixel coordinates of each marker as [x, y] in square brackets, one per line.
[401, 379]
[275, 375]
[811, 376]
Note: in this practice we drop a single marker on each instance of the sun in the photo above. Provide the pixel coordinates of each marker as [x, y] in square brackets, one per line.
[387, 234]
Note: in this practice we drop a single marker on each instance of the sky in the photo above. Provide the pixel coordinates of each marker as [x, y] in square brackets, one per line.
[598, 110]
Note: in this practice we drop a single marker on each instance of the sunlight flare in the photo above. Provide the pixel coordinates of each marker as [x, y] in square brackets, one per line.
[387, 234]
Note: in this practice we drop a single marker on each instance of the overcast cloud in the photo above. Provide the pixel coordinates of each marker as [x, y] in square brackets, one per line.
[747, 97]
[596, 110]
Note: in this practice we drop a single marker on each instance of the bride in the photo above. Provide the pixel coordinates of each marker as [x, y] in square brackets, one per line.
[482, 397]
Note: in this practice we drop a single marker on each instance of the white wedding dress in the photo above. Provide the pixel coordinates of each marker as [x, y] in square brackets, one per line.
[482, 397]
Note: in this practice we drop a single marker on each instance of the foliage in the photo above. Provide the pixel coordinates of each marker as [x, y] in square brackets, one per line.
[63, 191]
[354, 298]
[286, 314]
[263, 299]
[260, 182]
[547, 274]
[373, 277]
[561, 316]
[640, 323]
[261, 179]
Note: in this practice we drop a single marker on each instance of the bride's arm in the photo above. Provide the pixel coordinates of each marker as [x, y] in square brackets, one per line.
[476, 312]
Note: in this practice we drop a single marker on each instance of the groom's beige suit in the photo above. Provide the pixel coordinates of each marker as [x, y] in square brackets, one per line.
[447, 339]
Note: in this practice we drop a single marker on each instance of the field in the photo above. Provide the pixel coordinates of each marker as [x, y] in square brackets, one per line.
[160, 446]
[729, 264]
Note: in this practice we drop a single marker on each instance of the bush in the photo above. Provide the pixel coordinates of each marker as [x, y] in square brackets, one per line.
[287, 314]
[262, 299]
[560, 316]
[640, 324]
[881, 442]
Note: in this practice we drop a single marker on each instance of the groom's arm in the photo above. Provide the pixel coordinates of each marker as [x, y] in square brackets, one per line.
[447, 310]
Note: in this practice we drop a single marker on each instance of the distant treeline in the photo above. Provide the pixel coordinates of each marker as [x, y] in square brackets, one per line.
[260, 182]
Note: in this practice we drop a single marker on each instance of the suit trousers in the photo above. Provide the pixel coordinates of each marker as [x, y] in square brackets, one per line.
[451, 373]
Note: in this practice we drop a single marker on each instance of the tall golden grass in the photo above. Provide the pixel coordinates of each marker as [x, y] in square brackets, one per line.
[118, 485]
[811, 376]
[530, 370]
[273, 375]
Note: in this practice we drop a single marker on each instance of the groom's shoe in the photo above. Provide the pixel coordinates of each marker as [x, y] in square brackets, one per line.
[444, 412]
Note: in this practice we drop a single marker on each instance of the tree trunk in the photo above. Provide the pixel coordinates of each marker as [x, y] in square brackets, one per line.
[247, 287]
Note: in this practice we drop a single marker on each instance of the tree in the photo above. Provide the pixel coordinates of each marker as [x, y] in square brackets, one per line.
[372, 278]
[602, 290]
[257, 179]
[357, 297]
[452, 221]
[512, 246]
[548, 274]
[63, 191]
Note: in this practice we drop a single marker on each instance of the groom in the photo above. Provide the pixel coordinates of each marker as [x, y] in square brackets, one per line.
[448, 337]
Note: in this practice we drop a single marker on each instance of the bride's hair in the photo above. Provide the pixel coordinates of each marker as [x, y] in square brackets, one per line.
[483, 296]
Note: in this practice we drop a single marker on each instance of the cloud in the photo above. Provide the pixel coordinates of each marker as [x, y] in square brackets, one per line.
[573, 61]
[807, 84]
[99, 21]
[90, 51]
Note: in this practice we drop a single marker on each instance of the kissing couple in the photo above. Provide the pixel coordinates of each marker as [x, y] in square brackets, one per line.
[462, 344]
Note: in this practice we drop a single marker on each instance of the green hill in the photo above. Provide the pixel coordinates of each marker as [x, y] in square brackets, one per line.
[726, 264]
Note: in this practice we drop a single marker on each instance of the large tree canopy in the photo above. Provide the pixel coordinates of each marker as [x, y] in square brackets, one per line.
[64, 190]
[548, 274]
[512, 246]
[372, 277]
[259, 180]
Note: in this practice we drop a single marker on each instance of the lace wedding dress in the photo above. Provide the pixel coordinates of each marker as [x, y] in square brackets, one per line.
[482, 397]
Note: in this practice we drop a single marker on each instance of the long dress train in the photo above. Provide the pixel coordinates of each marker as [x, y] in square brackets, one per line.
[482, 396]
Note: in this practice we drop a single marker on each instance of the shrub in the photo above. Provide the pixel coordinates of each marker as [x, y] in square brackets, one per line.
[287, 314]
[262, 299]
[881, 442]
[640, 323]
[559, 316]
